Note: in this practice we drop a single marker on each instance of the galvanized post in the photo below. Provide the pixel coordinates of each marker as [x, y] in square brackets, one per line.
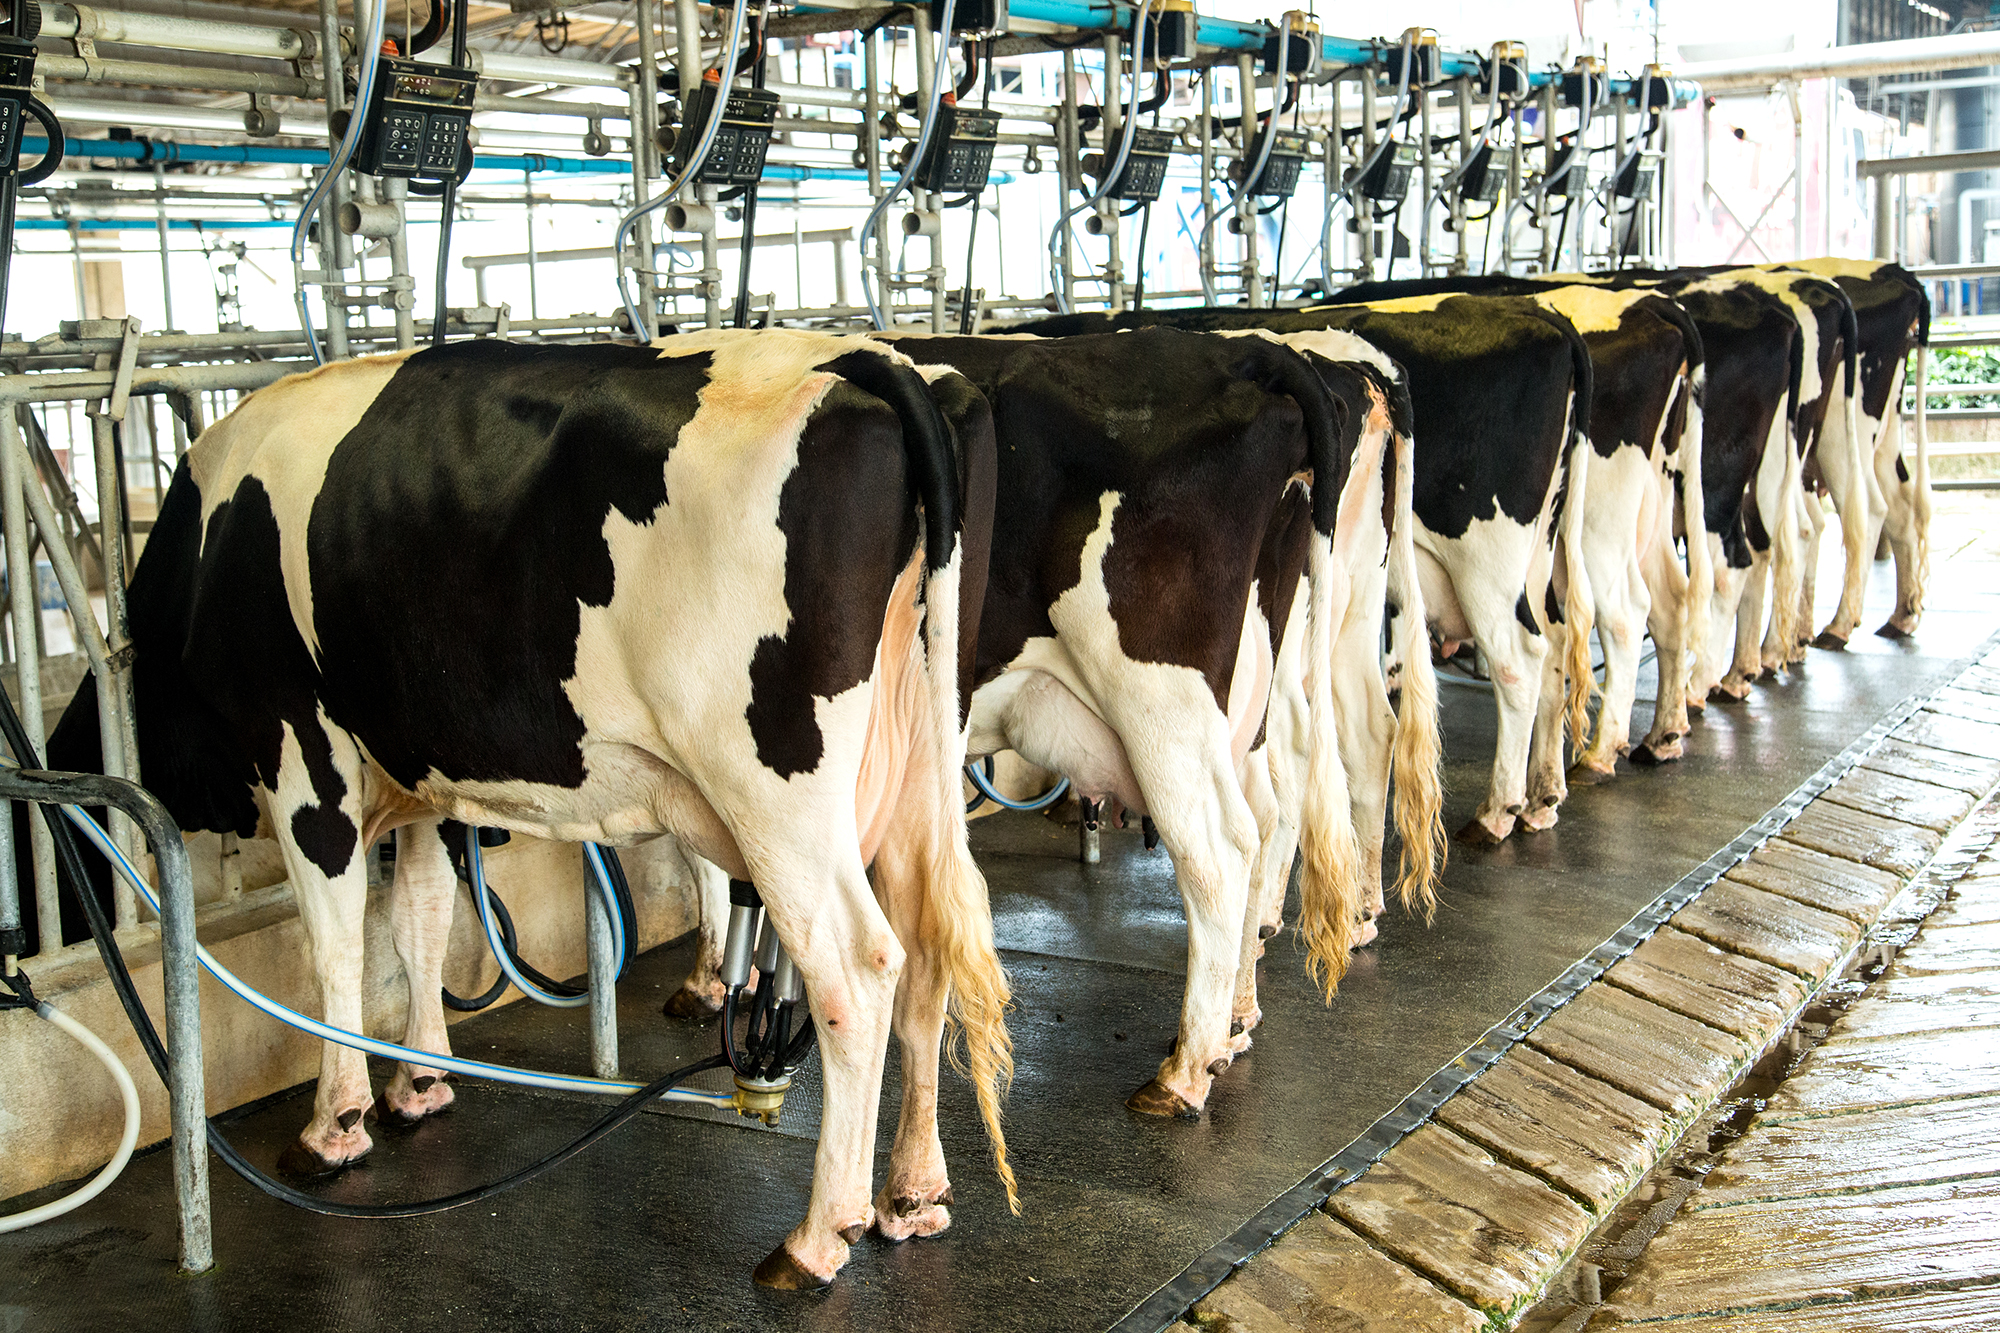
[1885, 216]
[603, 978]
[645, 126]
[402, 290]
[1329, 187]
[528, 204]
[25, 605]
[1551, 147]
[166, 271]
[336, 251]
[1364, 209]
[924, 49]
[1069, 171]
[12, 941]
[1427, 165]
[1107, 209]
[871, 156]
[1461, 94]
[1206, 257]
[1245, 220]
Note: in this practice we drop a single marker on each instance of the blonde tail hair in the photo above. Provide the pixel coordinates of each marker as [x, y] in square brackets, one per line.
[1418, 751]
[1578, 612]
[1330, 879]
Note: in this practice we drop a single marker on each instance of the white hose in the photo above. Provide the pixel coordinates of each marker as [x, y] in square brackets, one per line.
[1457, 173]
[127, 1141]
[1256, 170]
[475, 866]
[386, 1050]
[642, 325]
[940, 75]
[1116, 166]
[371, 52]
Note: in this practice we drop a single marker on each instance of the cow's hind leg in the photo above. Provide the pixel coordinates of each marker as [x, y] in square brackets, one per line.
[315, 815]
[1277, 838]
[700, 996]
[826, 914]
[1623, 604]
[1903, 531]
[420, 908]
[1198, 803]
[1666, 617]
[915, 1199]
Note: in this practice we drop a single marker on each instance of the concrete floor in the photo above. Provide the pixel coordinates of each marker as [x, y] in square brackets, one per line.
[659, 1226]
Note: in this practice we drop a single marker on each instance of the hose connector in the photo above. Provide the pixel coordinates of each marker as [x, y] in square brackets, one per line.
[761, 1098]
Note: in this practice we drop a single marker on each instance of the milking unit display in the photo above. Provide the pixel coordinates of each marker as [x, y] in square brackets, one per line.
[1556, 169]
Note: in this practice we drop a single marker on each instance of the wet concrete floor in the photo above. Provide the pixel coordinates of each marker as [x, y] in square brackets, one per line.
[659, 1226]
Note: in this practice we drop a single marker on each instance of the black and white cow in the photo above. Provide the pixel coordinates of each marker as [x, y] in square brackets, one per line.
[1824, 335]
[1501, 389]
[1128, 639]
[714, 588]
[1893, 317]
[1754, 552]
[1644, 482]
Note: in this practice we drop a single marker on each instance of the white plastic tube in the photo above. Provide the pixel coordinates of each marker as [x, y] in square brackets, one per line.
[371, 52]
[1116, 166]
[475, 865]
[940, 75]
[127, 1141]
[386, 1050]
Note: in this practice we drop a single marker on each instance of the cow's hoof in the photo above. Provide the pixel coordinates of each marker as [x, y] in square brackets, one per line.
[1729, 694]
[1663, 751]
[1830, 641]
[912, 1216]
[1891, 630]
[1476, 834]
[1365, 934]
[1157, 1099]
[781, 1272]
[690, 1004]
[427, 1095]
[1540, 819]
[1590, 775]
[299, 1162]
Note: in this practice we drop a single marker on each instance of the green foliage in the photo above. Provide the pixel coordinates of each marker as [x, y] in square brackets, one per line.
[1964, 365]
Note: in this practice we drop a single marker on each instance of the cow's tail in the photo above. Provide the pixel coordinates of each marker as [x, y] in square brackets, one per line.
[1418, 751]
[958, 908]
[1578, 613]
[1920, 502]
[1781, 524]
[1699, 602]
[1331, 889]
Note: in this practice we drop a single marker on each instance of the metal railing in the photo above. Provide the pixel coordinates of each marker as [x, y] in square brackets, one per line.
[179, 966]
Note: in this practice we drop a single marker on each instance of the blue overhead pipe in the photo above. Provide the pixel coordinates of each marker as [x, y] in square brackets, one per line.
[1232, 35]
[165, 151]
[144, 224]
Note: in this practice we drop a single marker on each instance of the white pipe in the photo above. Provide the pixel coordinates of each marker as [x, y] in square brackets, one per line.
[127, 1093]
[548, 69]
[1917, 55]
[1966, 199]
[175, 34]
[386, 1050]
